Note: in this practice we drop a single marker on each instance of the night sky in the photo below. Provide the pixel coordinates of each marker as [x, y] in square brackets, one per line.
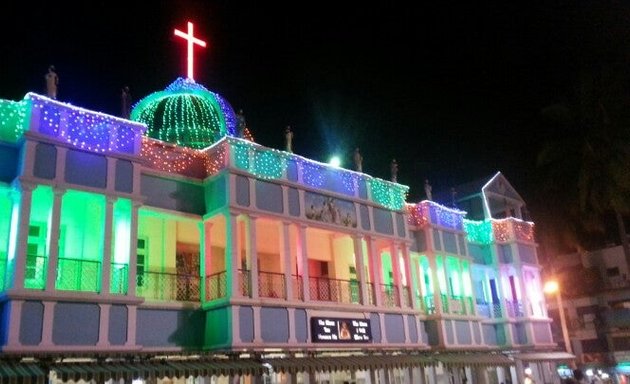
[453, 92]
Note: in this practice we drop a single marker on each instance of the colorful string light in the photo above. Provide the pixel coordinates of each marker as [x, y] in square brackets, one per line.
[83, 128]
[186, 114]
[12, 119]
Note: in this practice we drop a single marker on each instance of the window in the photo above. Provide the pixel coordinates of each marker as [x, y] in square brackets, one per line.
[35, 251]
[142, 260]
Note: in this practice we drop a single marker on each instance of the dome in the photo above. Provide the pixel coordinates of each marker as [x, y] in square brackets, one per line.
[186, 114]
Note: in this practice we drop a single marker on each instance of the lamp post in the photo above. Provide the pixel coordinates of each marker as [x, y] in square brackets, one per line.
[552, 287]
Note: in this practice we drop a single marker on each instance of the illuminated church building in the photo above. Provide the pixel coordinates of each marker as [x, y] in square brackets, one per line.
[168, 246]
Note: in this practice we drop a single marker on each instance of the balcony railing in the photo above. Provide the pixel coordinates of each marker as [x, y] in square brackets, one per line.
[78, 275]
[216, 286]
[389, 295]
[298, 290]
[168, 286]
[35, 272]
[271, 284]
[340, 291]
[118, 278]
[514, 308]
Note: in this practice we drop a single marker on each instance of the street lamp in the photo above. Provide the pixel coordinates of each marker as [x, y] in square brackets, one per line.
[552, 287]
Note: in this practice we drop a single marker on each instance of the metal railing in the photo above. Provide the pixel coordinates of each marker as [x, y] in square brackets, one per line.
[35, 272]
[168, 286]
[514, 308]
[216, 286]
[271, 284]
[78, 275]
[389, 295]
[335, 290]
[118, 278]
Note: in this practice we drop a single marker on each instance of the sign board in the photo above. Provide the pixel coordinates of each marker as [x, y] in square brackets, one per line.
[335, 330]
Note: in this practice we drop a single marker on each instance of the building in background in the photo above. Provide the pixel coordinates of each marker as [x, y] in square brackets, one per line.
[596, 301]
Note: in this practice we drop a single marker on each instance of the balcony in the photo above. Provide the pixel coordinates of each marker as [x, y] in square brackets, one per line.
[168, 286]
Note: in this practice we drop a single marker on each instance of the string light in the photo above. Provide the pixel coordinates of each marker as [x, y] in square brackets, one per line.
[186, 114]
[83, 128]
[431, 212]
[478, 232]
[12, 119]
[511, 229]
[388, 194]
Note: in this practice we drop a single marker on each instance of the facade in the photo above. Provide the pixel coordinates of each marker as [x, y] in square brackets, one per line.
[168, 246]
[595, 296]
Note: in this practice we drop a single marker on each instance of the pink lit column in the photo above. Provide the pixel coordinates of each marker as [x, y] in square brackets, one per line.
[395, 259]
[285, 256]
[376, 270]
[408, 276]
[360, 266]
[303, 262]
[251, 253]
[232, 257]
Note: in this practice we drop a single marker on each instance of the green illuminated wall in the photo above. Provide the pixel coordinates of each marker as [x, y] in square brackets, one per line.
[5, 226]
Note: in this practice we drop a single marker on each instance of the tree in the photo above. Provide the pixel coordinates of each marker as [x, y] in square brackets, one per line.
[586, 162]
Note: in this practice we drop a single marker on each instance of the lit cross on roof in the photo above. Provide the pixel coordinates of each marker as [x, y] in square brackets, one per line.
[192, 40]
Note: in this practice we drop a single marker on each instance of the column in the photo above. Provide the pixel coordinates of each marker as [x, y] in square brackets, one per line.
[383, 376]
[395, 259]
[291, 314]
[257, 325]
[103, 326]
[251, 253]
[28, 158]
[432, 376]
[358, 261]
[107, 246]
[133, 252]
[302, 254]
[376, 270]
[53, 247]
[111, 175]
[232, 257]
[373, 374]
[437, 294]
[15, 320]
[47, 324]
[406, 375]
[285, 256]
[132, 316]
[408, 276]
[19, 252]
[205, 227]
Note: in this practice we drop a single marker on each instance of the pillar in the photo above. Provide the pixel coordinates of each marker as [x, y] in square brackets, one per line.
[376, 271]
[133, 251]
[285, 256]
[107, 246]
[205, 259]
[359, 263]
[303, 262]
[23, 211]
[53, 247]
[252, 254]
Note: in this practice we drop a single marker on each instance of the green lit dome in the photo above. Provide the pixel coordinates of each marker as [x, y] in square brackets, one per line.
[186, 114]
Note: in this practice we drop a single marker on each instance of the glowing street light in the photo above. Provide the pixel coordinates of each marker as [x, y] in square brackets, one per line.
[552, 287]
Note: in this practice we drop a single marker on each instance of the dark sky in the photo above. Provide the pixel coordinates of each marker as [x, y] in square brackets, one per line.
[452, 91]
